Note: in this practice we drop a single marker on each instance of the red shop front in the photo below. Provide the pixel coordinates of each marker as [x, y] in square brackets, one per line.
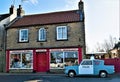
[41, 60]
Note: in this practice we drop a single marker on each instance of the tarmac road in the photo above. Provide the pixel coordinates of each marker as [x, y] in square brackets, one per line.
[55, 78]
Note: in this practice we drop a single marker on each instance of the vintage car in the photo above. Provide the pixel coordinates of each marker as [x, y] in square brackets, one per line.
[90, 67]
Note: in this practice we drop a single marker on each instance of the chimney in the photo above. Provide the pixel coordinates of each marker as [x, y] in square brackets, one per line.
[11, 10]
[81, 10]
[20, 12]
[81, 5]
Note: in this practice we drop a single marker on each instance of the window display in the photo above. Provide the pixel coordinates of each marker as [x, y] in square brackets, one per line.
[21, 60]
[71, 58]
[60, 59]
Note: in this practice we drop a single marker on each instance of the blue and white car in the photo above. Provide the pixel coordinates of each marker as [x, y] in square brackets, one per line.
[90, 67]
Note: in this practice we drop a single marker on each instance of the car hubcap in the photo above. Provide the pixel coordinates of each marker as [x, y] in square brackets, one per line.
[71, 74]
[103, 74]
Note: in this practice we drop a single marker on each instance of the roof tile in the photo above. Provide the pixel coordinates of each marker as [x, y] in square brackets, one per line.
[48, 18]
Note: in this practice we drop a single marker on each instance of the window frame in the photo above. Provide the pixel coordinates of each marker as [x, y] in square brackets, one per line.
[61, 33]
[62, 59]
[21, 54]
[20, 36]
[86, 62]
[42, 35]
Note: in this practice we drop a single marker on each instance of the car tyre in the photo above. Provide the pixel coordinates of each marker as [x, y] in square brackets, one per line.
[71, 74]
[103, 74]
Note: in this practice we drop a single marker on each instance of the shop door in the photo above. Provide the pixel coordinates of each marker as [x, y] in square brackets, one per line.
[42, 62]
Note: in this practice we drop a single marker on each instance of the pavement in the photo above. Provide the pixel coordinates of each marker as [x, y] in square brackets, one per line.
[32, 74]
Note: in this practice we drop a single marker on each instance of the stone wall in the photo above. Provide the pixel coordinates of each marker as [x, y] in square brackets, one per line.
[76, 37]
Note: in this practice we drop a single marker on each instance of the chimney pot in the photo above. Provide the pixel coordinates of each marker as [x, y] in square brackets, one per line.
[11, 9]
[20, 12]
[20, 7]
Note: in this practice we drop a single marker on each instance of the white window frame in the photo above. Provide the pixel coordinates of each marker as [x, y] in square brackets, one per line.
[42, 34]
[21, 53]
[62, 33]
[24, 36]
[63, 57]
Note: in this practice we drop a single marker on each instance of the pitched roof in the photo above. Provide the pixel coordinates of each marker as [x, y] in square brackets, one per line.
[47, 18]
[3, 16]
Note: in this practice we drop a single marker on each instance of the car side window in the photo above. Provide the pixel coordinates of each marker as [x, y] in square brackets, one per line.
[87, 62]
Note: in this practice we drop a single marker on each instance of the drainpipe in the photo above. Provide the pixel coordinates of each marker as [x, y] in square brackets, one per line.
[4, 49]
[82, 22]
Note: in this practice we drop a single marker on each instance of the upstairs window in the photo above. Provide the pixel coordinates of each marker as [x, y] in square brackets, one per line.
[23, 35]
[62, 33]
[42, 34]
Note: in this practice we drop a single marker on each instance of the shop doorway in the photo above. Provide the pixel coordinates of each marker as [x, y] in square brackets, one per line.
[42, 62]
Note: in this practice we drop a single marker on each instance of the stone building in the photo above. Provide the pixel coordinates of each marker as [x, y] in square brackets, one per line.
[4, 20]
[45, 42]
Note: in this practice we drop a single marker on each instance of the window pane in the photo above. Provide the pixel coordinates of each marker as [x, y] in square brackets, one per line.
[15, 60]
[42, 34]
[64, 33]
[26, 60]
[23, 35]
[86, 63]
[61, 32]
[56, 60]
[62, 59]
[71, 58]
[21, 61]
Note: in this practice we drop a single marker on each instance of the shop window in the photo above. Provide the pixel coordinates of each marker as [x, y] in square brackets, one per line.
[61, 59]
[23, 35]
[21, 61]
[71, 58]
[42, 34]
[62, 33]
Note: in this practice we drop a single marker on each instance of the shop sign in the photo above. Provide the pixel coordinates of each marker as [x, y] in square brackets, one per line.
[66, 49]
[41, 50]
[21, 51]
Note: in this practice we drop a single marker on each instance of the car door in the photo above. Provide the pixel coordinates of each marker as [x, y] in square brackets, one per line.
[86, 67]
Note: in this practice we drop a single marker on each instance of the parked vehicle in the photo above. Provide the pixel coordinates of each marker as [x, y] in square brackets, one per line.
[90, 67]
